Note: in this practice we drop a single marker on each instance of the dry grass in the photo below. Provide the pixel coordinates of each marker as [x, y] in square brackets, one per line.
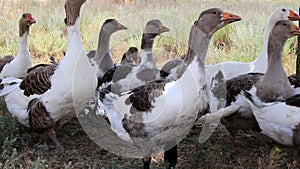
[242, 40]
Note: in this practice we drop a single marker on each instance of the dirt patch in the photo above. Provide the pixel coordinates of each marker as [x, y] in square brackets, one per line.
[252, 150]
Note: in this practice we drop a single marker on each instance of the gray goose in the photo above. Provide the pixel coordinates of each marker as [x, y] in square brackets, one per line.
[103, 57]
[17, 66]
[65, 88]
[157, 107]
[272, 86]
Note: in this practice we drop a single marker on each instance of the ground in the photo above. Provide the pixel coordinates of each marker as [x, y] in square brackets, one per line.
[251, 150]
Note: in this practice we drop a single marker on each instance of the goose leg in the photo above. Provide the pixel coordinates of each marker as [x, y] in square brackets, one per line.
[171, 156]
[43, 138]
[52, 135]
[146, 162]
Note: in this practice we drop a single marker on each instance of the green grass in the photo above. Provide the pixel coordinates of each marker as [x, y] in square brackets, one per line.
[240, 41]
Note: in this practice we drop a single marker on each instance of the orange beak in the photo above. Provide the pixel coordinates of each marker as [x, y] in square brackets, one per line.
[295, 30]
[293, 16]
[30, 19]
[229, 17]
[121, 27]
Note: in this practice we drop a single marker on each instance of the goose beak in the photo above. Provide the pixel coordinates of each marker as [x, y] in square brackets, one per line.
[30, 19]
[163, 28]
[293, 16]
[121, 27]
[295, 30]
[230, 18]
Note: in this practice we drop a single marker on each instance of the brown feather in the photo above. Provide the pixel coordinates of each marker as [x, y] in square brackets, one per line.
[38, 116]
[142, 97]
[5, 60]
[37, 81]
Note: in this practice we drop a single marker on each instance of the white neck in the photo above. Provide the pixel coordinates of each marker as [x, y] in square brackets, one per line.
[23, 52]
[261, 62]
[73, 29]
[74, 41]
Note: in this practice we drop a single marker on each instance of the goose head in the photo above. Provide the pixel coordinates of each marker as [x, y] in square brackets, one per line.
[154, 27]
[282, 13]
[131, 55]
[285, 29]
[213, 19]
[112, 25]
[25, 22]
[72, 8]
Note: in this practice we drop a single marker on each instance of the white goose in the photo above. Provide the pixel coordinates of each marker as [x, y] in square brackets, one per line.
[272, 86]
[17, 67]
[278, 120]
[63, 90]
[162, 110]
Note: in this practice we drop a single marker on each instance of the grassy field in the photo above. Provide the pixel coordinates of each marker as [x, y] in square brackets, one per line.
[240, 41]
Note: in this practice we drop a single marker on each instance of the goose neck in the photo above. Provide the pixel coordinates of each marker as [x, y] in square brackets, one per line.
[261, 61]
[103, 46]
[198, 46]
[23, 45]
[147, 41]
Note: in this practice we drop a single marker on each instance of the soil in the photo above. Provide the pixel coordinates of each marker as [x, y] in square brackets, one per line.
[250, 150]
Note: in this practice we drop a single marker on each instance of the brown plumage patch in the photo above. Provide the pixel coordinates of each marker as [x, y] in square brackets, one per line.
[38, 116]
[37, 81]
[134, 126]
[235, 85]
[294, 101]
[142, 97]
[5, 60]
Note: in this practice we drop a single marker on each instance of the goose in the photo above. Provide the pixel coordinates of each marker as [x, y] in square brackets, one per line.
[220, 72]
[11, 66]
[278, 120]
[129, 58]
[128, 77]
[103, 57]
[156, 113]
[65, 88]
[227, 70]
[272, 86]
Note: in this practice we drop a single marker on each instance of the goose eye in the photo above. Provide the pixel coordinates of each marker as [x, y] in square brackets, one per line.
[283, 10]
[214, 13]
[284, 24]
[23, 16]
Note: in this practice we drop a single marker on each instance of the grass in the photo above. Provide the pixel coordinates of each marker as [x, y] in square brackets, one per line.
[240, 41]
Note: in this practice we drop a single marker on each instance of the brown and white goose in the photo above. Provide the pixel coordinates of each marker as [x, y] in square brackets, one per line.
[127, 77]
[17, 66]
[63, 89]
[160, 112]
[272, 86]
[130, 57]
[103, 57]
